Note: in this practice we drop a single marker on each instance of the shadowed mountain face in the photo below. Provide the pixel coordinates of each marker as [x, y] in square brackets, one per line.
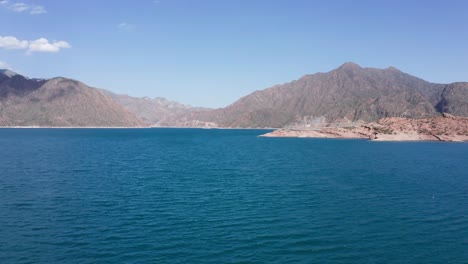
[346, 95]
[58, 102]
[454, 99]
[156, 112]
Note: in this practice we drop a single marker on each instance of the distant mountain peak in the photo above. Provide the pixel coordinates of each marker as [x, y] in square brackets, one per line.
[8, 73]
[391, 68]
[350, 66]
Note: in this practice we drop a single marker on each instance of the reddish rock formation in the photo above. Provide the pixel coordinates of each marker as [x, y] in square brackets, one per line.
[441, 128]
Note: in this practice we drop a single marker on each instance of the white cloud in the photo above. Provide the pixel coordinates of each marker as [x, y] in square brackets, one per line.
[43, 45]
[10, 42]
[21, 7]
[37, 10]
[125, 26]
[38, 45]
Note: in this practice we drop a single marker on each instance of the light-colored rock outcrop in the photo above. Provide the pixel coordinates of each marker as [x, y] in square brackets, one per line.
[442, 128]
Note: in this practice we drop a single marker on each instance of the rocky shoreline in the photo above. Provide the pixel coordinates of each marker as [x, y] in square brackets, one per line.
[442, 128]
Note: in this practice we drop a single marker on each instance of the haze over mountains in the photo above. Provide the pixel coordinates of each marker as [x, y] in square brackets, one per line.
[156, 112]
[347, 95]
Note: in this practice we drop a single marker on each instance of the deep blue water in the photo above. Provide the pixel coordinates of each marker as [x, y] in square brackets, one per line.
[228, 196]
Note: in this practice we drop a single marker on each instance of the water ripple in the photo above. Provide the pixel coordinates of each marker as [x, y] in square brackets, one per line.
[227, 196]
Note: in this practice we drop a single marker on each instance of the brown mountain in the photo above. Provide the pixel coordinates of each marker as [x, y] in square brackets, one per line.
[58, 102]
[349, 94]
[155, 112]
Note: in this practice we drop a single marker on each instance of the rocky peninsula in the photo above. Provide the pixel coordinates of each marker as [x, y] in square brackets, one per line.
[441, 128]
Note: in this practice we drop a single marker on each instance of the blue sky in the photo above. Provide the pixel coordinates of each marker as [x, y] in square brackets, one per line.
[211, 52]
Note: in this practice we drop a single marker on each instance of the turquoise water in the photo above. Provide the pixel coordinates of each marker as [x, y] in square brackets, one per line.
[228, 196]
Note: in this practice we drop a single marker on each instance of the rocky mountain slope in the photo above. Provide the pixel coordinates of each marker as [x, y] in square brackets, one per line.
[454, 99]
[58, 102]
[347, 95]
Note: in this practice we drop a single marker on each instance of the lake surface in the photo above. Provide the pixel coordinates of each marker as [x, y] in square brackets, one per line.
[228, 196]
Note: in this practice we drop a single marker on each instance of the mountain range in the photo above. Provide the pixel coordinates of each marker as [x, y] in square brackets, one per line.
[347, 96]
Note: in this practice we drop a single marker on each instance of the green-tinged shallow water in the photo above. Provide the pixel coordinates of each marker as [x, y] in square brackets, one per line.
[228, 196]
